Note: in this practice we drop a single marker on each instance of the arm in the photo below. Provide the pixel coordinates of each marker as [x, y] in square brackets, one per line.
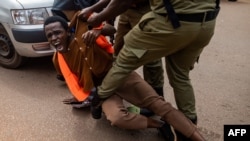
[108, 30]
[90, 36]
[97, 7]
[114, 8]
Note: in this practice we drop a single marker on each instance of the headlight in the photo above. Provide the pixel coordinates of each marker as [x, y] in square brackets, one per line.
[29, 16]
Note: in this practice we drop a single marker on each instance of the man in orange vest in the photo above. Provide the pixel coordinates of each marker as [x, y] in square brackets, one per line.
[81, 68]
[134, 90]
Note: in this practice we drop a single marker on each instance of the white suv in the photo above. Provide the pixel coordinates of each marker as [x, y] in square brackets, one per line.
[21, 31]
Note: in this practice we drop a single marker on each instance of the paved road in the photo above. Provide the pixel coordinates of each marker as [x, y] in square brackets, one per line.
[31, 107]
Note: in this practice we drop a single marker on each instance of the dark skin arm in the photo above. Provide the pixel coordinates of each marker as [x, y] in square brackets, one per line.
[108, 30]
[97, 7]
[113, 9]
[90, 36]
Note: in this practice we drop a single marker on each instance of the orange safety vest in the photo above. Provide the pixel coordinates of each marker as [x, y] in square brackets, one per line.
[71, 80]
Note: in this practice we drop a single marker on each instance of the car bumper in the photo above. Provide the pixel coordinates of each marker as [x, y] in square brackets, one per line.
[29, 35]
[29, 40]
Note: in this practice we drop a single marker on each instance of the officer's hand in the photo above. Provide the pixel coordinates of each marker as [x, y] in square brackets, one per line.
[89, 37]
[94, 20]
[85, 13]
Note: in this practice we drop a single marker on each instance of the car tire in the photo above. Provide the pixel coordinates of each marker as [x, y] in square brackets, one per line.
[9, 58]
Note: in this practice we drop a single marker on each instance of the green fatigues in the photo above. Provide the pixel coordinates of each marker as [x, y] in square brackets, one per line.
[153, 71]
[153, 38]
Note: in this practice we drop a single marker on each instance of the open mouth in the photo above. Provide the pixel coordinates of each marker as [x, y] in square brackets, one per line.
[58, 46]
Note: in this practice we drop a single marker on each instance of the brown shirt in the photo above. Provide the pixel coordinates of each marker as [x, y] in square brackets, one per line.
[90, 64]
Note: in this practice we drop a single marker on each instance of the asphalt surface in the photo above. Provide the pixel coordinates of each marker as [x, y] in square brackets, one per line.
[31, 107]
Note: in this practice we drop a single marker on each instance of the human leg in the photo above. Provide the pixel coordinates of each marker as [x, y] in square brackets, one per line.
[147, 42]
[142, 46]
[138, 92]
[178, 66]
[117, 73]
[183, 90]
[119, 116]
[153, 73]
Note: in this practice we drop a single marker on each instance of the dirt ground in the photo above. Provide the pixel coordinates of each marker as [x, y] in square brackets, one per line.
[31, 107]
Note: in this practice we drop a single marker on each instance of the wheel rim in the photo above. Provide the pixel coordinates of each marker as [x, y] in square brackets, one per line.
[5, 47]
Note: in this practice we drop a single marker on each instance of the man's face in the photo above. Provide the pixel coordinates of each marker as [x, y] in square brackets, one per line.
[57, 36]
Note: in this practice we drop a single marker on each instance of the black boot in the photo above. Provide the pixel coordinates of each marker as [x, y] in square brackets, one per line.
[194, 120]
[168, 132]
[96, 108]
[146, 112]
[159, 91]
[180, 136]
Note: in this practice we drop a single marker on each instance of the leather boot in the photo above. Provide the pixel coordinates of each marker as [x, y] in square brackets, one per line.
[95, 108]
[159, 91]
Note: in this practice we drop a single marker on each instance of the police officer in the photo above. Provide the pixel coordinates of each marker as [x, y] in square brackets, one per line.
[153, 71]
[178, 30]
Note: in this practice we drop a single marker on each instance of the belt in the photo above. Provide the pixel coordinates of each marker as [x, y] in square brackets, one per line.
[197, 17]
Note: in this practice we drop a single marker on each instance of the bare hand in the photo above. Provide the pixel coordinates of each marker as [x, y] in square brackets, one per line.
[89, 37]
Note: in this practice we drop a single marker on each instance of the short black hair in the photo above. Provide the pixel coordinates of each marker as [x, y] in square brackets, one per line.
[53, 19]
